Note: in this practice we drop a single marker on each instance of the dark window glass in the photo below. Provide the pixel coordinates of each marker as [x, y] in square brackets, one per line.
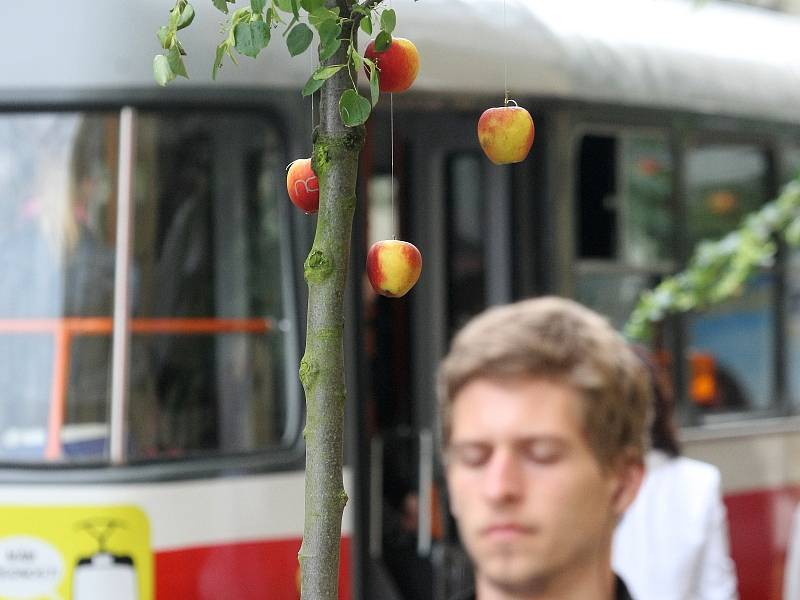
[465, 238]
[597, 207]
[207, 374]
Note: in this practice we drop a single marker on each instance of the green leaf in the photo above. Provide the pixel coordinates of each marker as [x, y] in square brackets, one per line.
[383, 41]
[355, 58]
[366, 25]
[161, 70]
[221, 5]
[329, 49]
[353, 108]
[324, 73]
[312, 5]
[329, 30]
[257, 6]
[296, 9]
[174, 17]
[251, 37]
[187, 16]
[165, 37]
[284, 5]
[218, 59]
[320, 15]
[374, 85]
[299, 39]
[176, 62]
[388, 20]
[312, 85]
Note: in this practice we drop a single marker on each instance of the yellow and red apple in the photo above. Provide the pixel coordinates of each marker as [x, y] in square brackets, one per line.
[398, 65]
[393, 267]
[506, 134]
[303, 185]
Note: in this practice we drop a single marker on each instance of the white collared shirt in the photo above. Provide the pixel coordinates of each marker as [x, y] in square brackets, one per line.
[672, 543]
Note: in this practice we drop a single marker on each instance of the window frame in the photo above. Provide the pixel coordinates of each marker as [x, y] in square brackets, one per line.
[681, 136]
[290, 455]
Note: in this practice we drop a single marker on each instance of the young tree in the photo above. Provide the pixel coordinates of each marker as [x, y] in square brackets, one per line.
[337, 143]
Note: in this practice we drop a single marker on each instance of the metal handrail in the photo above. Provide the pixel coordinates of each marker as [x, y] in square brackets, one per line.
[65, 328]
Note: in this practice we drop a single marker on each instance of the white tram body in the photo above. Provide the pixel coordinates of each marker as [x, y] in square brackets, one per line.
[152, 302]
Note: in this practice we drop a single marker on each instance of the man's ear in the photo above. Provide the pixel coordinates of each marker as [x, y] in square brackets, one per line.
[629, 479]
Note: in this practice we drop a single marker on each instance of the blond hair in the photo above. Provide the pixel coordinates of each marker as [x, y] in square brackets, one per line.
[559, 340]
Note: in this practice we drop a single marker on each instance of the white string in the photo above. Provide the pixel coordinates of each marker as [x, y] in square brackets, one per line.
[391, 135]
[505, 54]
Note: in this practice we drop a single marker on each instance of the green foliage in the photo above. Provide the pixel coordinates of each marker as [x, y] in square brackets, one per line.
[354, 108]
[718, 270]
[169, 65]
[248, 31]
[299, 39]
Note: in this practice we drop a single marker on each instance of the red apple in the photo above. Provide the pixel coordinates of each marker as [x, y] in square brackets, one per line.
[398, 65]
[506, 134]
[393, 267]
[303, 185]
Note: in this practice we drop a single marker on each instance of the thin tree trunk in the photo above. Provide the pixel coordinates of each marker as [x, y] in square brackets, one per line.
[335, 161]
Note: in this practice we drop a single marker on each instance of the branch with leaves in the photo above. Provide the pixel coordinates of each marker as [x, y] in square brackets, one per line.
[248, 31]
[719, 269]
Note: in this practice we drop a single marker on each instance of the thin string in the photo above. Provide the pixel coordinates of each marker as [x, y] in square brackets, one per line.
[391, 140]
[391, 135]
[505, 54]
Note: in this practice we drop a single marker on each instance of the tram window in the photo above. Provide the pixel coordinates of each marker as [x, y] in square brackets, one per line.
[209, 377]
[465, 238]
[57, 180]
[733, 340]
[792, 300]
[625, 220]
[724, 183]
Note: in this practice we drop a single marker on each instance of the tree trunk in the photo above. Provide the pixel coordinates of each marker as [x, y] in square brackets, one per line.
[335, 161]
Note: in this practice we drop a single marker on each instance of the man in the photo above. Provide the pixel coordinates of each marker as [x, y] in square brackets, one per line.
[543, 410]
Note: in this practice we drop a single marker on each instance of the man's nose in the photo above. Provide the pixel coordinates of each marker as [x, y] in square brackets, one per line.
[504, 477]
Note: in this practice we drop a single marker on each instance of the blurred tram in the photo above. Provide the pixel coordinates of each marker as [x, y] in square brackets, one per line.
[152, 301]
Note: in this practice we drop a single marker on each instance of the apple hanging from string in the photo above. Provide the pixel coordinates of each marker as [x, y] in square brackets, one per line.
[303, 185]
[506, 133]
[393, 267]
[398, 64]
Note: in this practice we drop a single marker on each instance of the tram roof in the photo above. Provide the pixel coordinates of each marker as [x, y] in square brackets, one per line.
[709, 57]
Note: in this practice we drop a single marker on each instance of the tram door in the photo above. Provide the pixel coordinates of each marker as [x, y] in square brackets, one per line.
[445, 197]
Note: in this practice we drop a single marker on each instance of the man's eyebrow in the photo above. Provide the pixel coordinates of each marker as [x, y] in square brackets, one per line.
[522, 440]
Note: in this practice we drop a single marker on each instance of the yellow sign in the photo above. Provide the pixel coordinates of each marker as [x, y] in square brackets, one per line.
[75, 553]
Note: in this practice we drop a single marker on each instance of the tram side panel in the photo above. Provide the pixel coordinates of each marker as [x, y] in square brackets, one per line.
[215, 538]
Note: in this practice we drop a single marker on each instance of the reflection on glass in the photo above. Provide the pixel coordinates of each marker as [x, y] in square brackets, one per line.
[732, 343]
[382, 223]
[724, 183]
[57, 180]
[793, 322]
[207, 255]
[612, 294]
[465, 238]
[647, 220]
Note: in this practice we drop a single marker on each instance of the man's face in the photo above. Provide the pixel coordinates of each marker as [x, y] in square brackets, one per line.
[530, 498]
